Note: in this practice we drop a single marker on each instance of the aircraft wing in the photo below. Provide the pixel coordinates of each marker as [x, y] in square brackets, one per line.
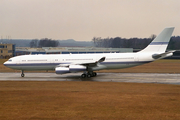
[162, 55]
[91, 63]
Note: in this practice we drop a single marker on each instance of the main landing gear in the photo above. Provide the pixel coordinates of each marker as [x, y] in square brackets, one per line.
[88, 74]
[22, 73]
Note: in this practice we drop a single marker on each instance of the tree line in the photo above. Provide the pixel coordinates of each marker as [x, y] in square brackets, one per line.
[135, 43]
[45, 42]
[117, 42]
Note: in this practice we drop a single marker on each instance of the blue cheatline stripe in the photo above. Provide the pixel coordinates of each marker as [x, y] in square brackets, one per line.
[159, 43]
[35, 64]
[137, 62]
[49, 64]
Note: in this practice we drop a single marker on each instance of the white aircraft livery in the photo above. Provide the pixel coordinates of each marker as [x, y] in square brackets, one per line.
[88, 63]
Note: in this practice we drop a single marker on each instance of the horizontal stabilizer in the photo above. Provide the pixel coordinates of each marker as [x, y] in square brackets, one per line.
[163, 55]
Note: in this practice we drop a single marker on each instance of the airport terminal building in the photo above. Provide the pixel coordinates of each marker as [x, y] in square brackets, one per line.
[78, 50]
[7, 50]
[69, 50]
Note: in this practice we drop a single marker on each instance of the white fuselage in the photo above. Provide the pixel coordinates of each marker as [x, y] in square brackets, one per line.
[51, 61]
[67, 63]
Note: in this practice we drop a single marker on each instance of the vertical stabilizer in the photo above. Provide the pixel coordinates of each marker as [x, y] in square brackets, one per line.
[160, 43]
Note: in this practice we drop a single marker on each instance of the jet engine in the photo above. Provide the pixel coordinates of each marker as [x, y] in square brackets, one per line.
[62, 70]
[77, 68]
[70, 69]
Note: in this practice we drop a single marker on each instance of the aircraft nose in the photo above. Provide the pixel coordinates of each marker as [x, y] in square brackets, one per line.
[5, 63]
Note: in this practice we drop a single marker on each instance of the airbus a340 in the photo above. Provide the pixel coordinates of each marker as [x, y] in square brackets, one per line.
[88, 63]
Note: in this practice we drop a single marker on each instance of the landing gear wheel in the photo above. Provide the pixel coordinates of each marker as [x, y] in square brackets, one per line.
[94, 74]
[83, 75]
[88, 75]
[22, 75]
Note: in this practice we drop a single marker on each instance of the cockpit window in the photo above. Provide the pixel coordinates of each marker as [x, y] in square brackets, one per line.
[10, 60]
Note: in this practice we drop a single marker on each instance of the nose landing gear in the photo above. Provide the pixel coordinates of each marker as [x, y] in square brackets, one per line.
[22, 73]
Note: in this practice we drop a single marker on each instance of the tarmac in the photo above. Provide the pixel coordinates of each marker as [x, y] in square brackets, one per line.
[160, 78]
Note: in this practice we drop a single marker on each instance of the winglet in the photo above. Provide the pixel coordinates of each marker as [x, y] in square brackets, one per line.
[101, 60]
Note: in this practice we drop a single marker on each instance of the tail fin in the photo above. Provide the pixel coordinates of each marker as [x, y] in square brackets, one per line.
[160, 43]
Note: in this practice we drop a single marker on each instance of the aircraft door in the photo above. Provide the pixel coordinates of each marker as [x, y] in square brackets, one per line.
[19, 63]
[136, 58]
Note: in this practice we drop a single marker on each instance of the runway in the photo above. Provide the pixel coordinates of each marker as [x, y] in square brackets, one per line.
[101, 77]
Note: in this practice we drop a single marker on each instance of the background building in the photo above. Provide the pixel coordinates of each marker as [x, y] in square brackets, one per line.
[7, 50]
[69, 50]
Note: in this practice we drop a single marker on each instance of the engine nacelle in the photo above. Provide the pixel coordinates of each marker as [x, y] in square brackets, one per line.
[71, 68]
[77, 68]
[62, 70]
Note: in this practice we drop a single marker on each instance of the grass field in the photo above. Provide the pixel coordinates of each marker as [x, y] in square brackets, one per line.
[86, 100]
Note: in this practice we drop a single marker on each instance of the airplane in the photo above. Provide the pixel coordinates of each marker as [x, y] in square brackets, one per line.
[88, 63]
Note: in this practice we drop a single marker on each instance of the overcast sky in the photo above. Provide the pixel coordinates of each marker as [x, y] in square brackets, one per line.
[84, 19]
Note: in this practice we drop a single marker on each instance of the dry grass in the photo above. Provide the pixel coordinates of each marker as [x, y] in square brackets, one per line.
[88, 100]
[92, 100]
[160, 66]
